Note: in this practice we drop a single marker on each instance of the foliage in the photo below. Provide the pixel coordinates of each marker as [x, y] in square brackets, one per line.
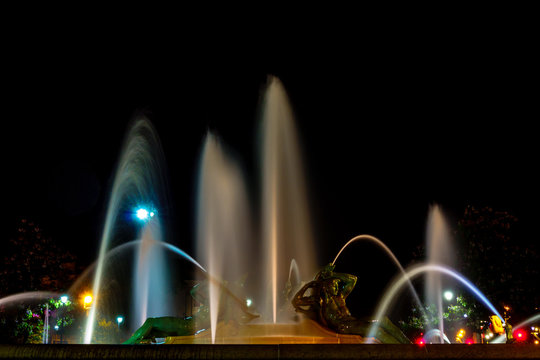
[455, 315]
[106, 332]
[32, 261]
[504, 267]
[420, 320]
[30, 328]
[25, 324]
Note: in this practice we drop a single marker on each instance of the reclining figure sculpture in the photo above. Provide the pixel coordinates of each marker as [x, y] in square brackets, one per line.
[326, 304]
[160, 327]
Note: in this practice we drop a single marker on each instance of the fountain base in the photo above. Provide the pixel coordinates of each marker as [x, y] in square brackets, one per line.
[305, 332]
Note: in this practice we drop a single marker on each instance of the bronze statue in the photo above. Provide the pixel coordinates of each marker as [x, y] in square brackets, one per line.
[231, 308]
[324, 300]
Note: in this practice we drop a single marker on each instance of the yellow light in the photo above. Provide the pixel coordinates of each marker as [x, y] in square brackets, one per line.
[87, 300]
[535, 342]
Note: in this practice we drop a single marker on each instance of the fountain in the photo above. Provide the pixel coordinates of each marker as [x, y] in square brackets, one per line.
[222, 222]
[286, 224]
[257, 258]
[439, 251]
[395, 287]
[139, 181]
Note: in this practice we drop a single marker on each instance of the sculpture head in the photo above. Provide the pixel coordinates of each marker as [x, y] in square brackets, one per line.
[326, 272]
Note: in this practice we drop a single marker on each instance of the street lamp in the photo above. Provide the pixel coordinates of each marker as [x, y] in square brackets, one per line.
[87, 301]
[64, 299]
[119, 320]
[448, 295]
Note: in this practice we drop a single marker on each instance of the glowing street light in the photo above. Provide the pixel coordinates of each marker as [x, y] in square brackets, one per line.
[119, 320]
[460, 335]
[448, 295]
[64, 299]
[87, 301]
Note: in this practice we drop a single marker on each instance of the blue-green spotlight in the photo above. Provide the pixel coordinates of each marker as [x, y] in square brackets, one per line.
[144, 214]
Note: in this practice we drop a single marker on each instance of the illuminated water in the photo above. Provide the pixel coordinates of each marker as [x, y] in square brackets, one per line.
[28, 296]
[394, 289]
[436, 333]
[223, 222]
[286, 225]
[139, 182]
[227, 243]
[389, 252]
[268, 251]
[294, 280]
[439, 250]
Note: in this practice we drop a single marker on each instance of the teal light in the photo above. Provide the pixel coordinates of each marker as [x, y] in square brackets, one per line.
[144, 214]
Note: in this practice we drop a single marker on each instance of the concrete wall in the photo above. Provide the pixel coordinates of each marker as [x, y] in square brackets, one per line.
[297, 352]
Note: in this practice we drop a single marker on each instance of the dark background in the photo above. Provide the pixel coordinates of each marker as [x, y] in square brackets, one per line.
[390, 123]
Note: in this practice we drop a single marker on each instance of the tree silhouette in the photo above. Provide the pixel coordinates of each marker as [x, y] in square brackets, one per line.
[504, 267]
[32, 261]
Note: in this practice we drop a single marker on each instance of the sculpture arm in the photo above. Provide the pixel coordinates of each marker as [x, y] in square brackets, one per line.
[347, 283]
[300, 300]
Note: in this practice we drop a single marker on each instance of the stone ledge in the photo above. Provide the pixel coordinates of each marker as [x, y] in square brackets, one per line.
[283, 351]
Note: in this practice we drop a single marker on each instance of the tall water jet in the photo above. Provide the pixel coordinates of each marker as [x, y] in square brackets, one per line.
[223, 222]
[439, 250]
[139, 182]
[149, 283]
[286, 228]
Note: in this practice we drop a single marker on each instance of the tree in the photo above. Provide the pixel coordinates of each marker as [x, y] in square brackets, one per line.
[24, 324]
[457, 315]
[490, 254]
[106, 332]
[32, 261]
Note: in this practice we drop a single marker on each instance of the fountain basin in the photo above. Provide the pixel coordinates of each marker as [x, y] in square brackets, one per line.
[305, 332]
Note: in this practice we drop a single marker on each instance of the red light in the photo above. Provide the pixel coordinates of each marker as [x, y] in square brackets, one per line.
[420, 341]
[469, 341]
[520, 335]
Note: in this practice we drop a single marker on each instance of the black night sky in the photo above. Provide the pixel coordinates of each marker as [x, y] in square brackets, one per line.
[388, 127]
